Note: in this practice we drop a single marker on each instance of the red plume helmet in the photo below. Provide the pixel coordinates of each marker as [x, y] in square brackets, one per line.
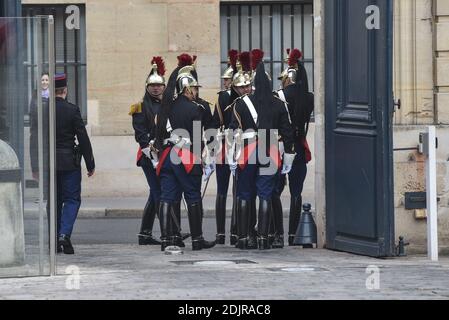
[245, 61]
[293, 58]
[160, 65]
[185, 60]
[233, 55]
[256, 58]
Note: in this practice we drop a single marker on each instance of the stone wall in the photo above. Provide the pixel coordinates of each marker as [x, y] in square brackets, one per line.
[410, 176]
[442, 60]
[122, 38]
[421, 81]
[413, 61]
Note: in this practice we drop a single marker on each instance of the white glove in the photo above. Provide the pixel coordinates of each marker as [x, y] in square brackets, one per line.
[233, 167]
[281, 149]
[288, 162]
[151, 154]
[208, 170]
[147, 152]
[155, 163]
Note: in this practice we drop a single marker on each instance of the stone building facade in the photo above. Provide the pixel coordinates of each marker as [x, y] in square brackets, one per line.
[122, 36]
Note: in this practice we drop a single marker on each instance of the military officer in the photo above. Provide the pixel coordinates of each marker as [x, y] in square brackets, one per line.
[69, 125]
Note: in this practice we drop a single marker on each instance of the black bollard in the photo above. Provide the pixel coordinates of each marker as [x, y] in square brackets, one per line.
[306, 234]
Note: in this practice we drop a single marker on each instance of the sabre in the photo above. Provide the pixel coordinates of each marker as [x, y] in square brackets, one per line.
[185, 203]
[205, 188]
[234, 226]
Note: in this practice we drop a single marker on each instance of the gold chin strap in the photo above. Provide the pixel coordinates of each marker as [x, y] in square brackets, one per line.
[189, 90]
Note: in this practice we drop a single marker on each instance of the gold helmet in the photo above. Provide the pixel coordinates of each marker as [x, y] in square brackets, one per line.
[157, 73]
[232, 64]
[187, 76]
[243, 77]
[288, 73]
[228, 73]
[185, 80]
[292, 65]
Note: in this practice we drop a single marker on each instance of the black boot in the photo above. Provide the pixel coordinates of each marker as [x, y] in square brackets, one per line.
[195, 222]
[263, 223]
[278, 241]
[252, 233]
[66, 244]
[278, 223]
[146, 239]
[177, 208]
[149, 214]
[178, 237]
[295, 214]
[220, 215]
[271, 229]
[243, 212]
[164, 220]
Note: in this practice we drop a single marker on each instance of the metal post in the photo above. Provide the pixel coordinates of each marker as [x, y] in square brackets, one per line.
[40, 126]
[431, 186]
[52, 143]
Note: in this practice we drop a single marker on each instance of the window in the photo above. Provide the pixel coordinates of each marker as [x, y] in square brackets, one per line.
[70, 50]
[272, 27]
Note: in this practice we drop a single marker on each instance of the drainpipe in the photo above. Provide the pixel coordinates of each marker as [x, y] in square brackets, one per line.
[434, 62]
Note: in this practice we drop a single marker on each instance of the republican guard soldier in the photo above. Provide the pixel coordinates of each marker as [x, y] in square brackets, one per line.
[144, 115]
[255, 116]
[180, 167]
[222, 117]
[295, 94]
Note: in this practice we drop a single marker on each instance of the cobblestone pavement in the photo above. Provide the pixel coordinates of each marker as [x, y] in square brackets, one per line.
[128, 271]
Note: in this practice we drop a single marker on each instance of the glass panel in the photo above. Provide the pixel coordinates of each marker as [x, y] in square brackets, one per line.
[70, 46]
[25, 151]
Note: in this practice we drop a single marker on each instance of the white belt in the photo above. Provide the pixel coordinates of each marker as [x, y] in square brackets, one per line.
[177, 141]
[249, 135]
[251, 109]
[168, 126]
[282, 97]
